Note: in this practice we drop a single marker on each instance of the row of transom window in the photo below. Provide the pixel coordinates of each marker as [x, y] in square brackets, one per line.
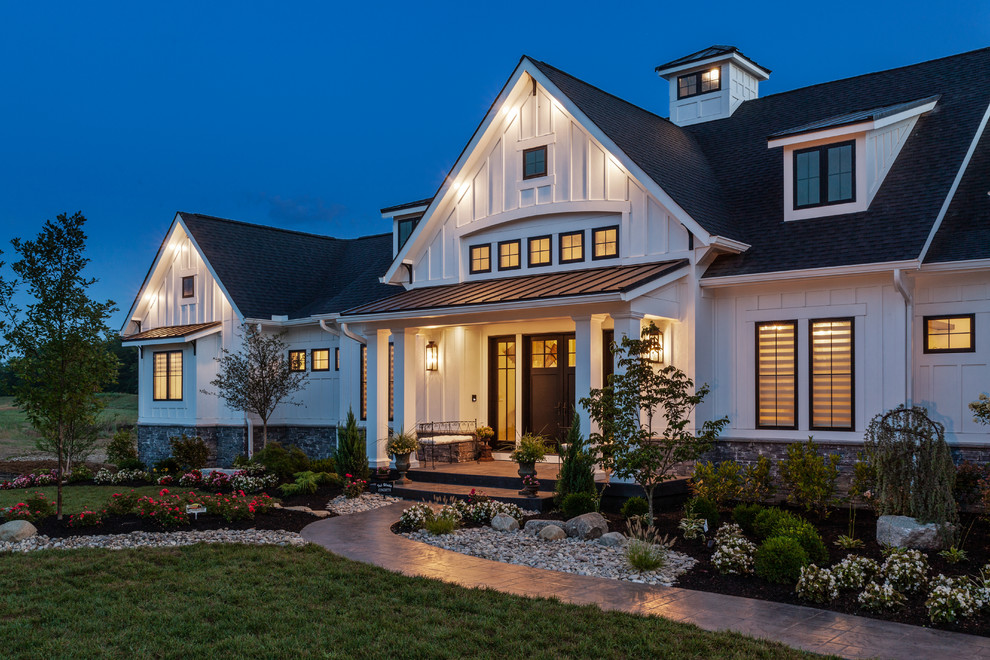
[539, 249]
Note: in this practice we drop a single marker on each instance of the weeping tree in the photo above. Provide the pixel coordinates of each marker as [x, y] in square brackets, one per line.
[914, 470]
[644, 415]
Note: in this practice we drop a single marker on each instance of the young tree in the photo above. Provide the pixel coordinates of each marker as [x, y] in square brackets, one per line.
[632, 442]
[577, 469]
[257, 378]
[352, 454]
[59, 340]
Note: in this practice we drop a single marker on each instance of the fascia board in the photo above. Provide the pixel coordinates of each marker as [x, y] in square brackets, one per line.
[808, 273]
[857, 127]
[412, 210]
[951, 266]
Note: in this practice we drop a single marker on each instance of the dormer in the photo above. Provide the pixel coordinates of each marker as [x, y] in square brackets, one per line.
[710, 84]
[836, 165]
[404, 219]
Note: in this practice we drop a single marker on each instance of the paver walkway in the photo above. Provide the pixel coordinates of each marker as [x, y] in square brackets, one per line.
[366, 537]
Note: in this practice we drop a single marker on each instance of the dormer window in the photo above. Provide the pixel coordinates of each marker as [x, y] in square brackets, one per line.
[825, 175]
[699, 82]
[406, 227]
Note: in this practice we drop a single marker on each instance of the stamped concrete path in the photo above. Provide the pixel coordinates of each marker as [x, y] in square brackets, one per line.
[366, 537]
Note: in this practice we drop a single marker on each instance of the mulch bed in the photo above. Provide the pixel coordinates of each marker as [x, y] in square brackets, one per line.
[16, 468]
[277, 519]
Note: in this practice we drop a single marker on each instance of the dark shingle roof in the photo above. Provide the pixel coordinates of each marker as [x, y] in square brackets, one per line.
[704, 54]
[270, 271]
[848, 118]
[407, 205]
[171, 331]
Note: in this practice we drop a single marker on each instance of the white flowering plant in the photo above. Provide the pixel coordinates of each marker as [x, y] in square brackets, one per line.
[482, 511]
[817, 584]
[951, 599]
[415, 517]
[105, 476]
[906, 570]
[881, 596]
[252, 484]
[855, 571]
[734, 555]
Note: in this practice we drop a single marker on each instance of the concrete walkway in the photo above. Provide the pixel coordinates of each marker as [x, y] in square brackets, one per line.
[366, 537]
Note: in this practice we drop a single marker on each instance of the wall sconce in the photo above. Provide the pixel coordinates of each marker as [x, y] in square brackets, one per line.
[432, 356]
[655, 353]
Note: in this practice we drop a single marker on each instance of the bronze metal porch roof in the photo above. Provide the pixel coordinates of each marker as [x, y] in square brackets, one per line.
[609, 279]
[170, 331]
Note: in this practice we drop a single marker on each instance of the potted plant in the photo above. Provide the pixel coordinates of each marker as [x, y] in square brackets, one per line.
[530, 450]
[399, 446]
[485, 435]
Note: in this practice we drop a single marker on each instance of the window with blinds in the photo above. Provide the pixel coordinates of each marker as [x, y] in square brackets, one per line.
[831, 365]
[167, 376]
[776, 375]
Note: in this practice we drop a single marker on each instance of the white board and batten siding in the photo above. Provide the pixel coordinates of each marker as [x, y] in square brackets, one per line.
[585, 187]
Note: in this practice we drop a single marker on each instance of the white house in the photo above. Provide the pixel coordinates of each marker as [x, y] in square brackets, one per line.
[815, 256]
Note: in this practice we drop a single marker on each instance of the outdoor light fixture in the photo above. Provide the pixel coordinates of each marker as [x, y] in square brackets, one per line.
[432, 356]
[655, 354]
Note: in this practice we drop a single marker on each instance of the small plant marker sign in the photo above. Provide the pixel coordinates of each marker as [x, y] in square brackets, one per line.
[385, 488]
[195, 509]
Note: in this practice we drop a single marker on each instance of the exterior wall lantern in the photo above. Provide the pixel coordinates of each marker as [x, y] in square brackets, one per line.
[655, 353]
[432, 356]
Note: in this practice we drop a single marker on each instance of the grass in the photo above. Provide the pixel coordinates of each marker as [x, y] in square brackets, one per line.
[17, 437]
[80, 498]
[209, 601]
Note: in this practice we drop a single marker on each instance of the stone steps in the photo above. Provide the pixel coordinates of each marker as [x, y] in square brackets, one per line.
[427, 492]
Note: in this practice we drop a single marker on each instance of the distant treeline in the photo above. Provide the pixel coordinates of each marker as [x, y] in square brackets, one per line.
[127, 375]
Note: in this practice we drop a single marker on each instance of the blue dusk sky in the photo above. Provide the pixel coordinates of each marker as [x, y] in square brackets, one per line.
[313, 116]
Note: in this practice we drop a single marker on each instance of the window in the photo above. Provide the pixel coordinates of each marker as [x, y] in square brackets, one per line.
[699, 82]
[508, 255]
[606, 243]
[189, 286]
[364, 381]
[544, 354]
[168, 376]
[571, 352]
[406, 229]
[481, 258]
[539, 251]
[572, 247]
[776, 375]
[950, 334]
[534, 162]
[297, 360]
[321, 359]
[336, 359]
[825, 175]
[831, 360]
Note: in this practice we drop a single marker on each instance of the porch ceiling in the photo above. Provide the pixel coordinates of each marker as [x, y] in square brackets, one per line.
[544, 286]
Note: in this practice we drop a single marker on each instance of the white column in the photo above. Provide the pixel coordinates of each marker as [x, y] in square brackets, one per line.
[404, 408]
[377, 422]
[588, 368]
[628, 324]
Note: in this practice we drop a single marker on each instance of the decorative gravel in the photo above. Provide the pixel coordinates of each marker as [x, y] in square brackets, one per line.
[568, 555]
[343, 506]
[155, 540]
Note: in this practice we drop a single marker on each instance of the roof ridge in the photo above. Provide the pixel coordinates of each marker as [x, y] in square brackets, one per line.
[279, 229]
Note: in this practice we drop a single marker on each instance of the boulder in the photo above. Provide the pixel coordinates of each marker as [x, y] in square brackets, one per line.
[612, 539]
[536, 526]
[552, 533]
[503, 522]
[907, 532]
[16, 530]
[586, 526]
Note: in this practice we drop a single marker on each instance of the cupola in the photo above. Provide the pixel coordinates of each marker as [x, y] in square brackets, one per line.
[710, 84]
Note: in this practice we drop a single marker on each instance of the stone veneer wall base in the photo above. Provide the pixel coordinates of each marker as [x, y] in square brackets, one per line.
[228, 442]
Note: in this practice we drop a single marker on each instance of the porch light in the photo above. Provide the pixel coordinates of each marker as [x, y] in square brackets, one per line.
[432, 359]
[655, 353]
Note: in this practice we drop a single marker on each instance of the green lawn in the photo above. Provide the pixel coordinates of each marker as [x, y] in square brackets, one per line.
[17, 437]
[80, 498]
[209, 601]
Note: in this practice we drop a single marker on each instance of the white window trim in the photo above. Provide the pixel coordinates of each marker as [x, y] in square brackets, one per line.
[862, 199]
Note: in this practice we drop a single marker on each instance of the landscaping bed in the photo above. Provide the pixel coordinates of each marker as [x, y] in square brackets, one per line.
[276, 519]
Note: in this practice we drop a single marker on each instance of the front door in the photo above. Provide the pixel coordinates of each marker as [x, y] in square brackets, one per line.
[548, 385]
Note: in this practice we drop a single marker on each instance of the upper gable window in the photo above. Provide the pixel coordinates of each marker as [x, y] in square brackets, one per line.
[572, 247]
[825, 175]
[508, 255]
[606, 243]
[189, 286]
[539, 251]
[534, 162]
[950, 334]
[481, 258]
[699, 82]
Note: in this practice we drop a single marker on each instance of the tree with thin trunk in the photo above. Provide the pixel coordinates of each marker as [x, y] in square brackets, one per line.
[59, 340]
[257, 378]
[643, 414]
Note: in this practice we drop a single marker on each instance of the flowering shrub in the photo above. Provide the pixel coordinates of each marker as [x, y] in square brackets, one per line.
[242, 480]
[33, 508]
[906, 570]
[237, 506]
[951, 598]
[733, 552]
[854, 572]
[165, 480]
[166, 510]
[483, 510]
[191, 479]
[105, 476]
[878, 597]
[216, 480]
[817, 584]
[87, 519]
[120, 504]
[354, 486]
[415, 517]
[30, 480]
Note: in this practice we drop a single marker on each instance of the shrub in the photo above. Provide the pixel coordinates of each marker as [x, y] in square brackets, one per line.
[414, 517]
[80, 473]
[703, 508]
[878, 597]
[327, 465]
[809, 477]
[634, 507]
[780, 559]
[817, 585]
[864, 481]
[86, 519]
[32, 509]
[105, 476]
[253, 484]
[951, 599]
[191, 479]
[191, 453]
[168, 466]
[281, 461]
[577, 469]
[906, 570]
[352, 455]
[309, 482]
[354, 486]
[966, 489]
[121, 504]
[482, 509]
[757, 481]
[805, 533]
[733, 553]
[576, 504]
[132, 464]
[122, 447]
[745, 516]
[166, 510]
[719, 483]
[768, 519]
[237, 506]
[854, 572]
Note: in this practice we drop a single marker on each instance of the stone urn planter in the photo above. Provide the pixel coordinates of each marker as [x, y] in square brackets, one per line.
[531, 449]
[526, 470]
[402, 462]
